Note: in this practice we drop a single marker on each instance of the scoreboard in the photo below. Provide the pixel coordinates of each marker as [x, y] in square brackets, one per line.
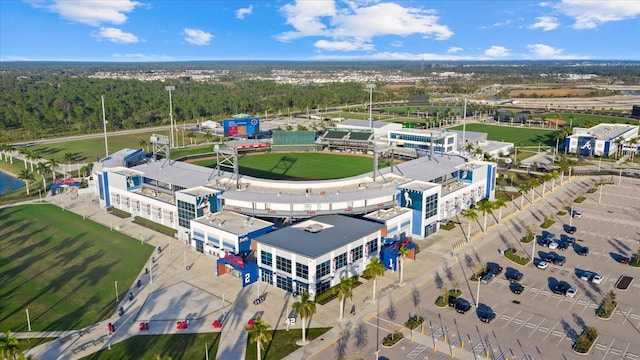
[241, 127]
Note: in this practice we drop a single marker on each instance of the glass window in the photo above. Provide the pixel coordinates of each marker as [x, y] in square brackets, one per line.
[302, 271]
[266, 258]
[372, 247]
[341, 260]
[323, 269]
[357, 253]
[283, 264]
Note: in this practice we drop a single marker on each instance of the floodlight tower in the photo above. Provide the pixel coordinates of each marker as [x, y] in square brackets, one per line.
[371, 87]
[464, 121]
[104, 123]
[170, 89]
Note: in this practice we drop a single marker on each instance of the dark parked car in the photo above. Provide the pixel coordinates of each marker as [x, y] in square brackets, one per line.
[493, 268]
[623, 260]
[583, 250]
[517, 288]
[487, 316]
[558, 260]
[563, 245]
[571, 229]
[514, 275]
[549, 258]
[462, 306]
[560, 289]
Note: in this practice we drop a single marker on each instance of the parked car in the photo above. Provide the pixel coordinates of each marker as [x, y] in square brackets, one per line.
[559, 260]
[571, 229]
[516, 288]
[577, 214]
[487, 316]
[623, 260]
[487, 278]
[596, 278]
[563, 245]
[553, 245]
[462, 306]
[560, 289]
[571, 292]
[542, 265]
[583, 250]
[514, 275]
[586, 275]
[493, 268]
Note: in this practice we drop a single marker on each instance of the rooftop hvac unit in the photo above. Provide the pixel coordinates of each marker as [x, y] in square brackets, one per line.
[313, 228]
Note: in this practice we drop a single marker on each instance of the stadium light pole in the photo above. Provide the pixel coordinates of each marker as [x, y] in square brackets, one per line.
[371, 87]
[170, 89]
[464, 120]
[104, 123]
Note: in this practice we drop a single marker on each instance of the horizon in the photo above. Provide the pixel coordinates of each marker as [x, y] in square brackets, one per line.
[169, 31]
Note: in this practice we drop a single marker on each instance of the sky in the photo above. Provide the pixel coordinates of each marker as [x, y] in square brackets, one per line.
[318, 30]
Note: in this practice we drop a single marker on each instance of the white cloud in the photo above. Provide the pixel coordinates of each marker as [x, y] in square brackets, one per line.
[454, 49]
[546, 23]
[591, 14]
[396, 43]
[544, 51]
[342, 45]
[116, 36]
[242, 12]
[197, 37]
[141, 57]
[498, 24]
[89, 12]
[497, 51]
[358, 22]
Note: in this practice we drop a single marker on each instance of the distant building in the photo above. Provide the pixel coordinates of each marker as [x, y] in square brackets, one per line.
[600, 140]
[635, 111]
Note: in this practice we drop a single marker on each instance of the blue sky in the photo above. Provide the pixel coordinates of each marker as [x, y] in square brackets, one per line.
[168, 30]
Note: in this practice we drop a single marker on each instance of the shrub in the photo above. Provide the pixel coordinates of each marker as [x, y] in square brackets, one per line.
[592, 190]
[585, 340]
[392, 339]
[528, 238]
[561, 213]
[119, 213]
[513, 255]
[448, 226]
[547, 223]
[607, 306]
[580, 199]
[414, 322]
[155, 226]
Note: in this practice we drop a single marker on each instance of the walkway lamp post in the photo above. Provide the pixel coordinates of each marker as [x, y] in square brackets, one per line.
[170, 89]
[371, 87]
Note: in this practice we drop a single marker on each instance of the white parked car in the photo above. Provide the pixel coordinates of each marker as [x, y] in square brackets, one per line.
[586, 275]
[542, 265]
[553, 245]
[577, 214]
[571, 292]
[596, 278]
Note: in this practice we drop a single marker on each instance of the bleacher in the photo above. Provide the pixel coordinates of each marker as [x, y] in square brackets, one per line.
[361, 135]
[335, 134]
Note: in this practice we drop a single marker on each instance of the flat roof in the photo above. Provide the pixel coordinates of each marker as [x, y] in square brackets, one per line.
[386, 214]
[233, 222]
[116, 159]
[362, 124]
[200, 191]
[334, 231]
[177, 173]
[428, 169]
[608, 131]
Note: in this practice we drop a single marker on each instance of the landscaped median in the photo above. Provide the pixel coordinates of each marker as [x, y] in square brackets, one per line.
[586, 340]
[608, 306]
[517, 257]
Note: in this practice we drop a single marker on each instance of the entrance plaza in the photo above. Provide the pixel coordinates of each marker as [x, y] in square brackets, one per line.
[182, 286]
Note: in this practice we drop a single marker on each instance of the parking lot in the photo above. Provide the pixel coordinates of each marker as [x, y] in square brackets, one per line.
[536, 324]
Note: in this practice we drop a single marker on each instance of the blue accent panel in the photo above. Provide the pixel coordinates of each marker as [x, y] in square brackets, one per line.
[488, 184]
[198, 236]
[493, 177]
[586, 145]
[416, 229]
[607, 146]
[228, 246]
[107, 195]
[101, 187]
[567, 142]
[389, 257]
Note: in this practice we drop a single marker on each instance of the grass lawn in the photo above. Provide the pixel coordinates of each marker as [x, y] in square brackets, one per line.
[282, 343]
[62, 268]
[520, 136]
[580, 119]
[176, 346]
[292, 166]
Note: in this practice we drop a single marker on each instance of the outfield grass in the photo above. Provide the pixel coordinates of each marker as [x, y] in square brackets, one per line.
[520, 136]
[62, 268]
[282, 343]
[175, 346]
[580, 119]
[299, 166]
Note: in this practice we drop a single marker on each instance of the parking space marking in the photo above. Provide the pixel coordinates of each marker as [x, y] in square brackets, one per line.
[609, 348]
[550, 331]
[510, 320]
[536, 328]
[525, 322]
[417, 351]
[626, 316]
[586, 306]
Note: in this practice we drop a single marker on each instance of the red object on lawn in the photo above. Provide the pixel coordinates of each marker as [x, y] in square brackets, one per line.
[251, 322]
[217, 324]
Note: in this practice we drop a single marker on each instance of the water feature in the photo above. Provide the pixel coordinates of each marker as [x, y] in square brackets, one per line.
[8, 182]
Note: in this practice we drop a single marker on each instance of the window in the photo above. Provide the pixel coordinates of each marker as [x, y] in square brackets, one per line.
[341, 260]
[431, 206]
[323, 269]
[302, 271]
[266, 258]
[283, 264]
[372, 247]
[322, 287]
[357, 253]
[284, 283]
[186, 212]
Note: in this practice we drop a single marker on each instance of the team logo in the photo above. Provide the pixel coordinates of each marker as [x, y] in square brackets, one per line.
[586, 146]
[254, 122]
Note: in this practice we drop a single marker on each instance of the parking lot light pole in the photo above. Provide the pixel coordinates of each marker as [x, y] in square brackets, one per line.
[600, 198]
[571, 216]
[478, 294]
[117, 296]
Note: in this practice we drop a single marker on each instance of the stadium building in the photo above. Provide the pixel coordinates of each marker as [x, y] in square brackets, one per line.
[601, 140]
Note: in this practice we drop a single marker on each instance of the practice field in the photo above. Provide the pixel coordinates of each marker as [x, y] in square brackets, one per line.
[300, 166]
[61, 268]
[519, 136]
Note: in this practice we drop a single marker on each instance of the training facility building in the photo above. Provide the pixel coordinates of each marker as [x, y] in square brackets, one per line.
[314, 254]
[600, 140]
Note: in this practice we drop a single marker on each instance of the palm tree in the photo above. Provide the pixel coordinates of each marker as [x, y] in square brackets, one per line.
[478, 152]
[53, 164]
[208, 136]
[27, 176]
[259, 333]
[485, 207]
[545, 178]
[24, 151]
[374, 269]
[305, 309]
[554, 176]
[402, 252]
[33, 157]
[144, 143]
[192, 136]
[344, 290]
[85, 170]
[470, 215]
[69, 158]
[499, 203]
[533, 183]
[469, 147]
[10, 347]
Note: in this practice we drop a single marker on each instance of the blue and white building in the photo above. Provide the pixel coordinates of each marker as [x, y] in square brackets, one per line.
[600, 140]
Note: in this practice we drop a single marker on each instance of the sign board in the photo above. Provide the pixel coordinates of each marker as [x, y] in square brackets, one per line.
[241, 127]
